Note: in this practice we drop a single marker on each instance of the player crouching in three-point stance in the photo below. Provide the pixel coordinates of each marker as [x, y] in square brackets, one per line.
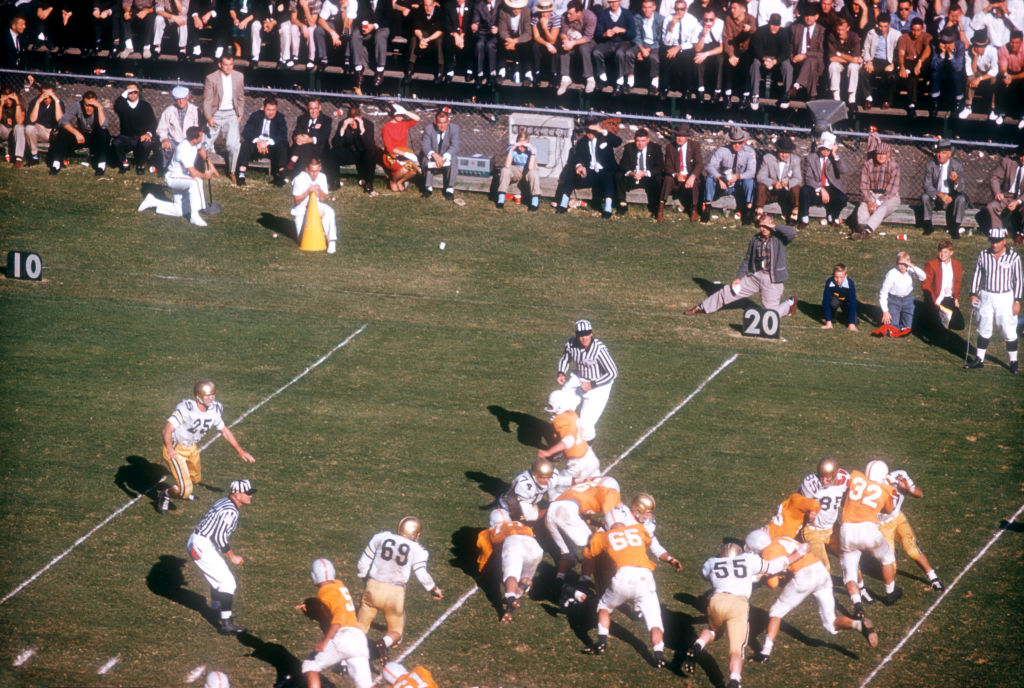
[581, 462]
[868, 496]
[732, 575]
[810, 577]
[520, 555]
[209, 540]
[343, 641]
[386, 565]
[191, 419]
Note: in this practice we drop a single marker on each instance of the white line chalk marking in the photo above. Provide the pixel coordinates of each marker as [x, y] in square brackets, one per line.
[24, 656]
[109, 665]
[139, 496]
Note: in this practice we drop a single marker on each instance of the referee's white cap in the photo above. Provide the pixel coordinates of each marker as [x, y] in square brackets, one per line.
[242, 486]
[997, 233]
[584, 327]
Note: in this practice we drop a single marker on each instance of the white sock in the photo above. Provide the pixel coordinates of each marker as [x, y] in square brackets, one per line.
[767, 648]
[388, 642]
[855, 598]
[889, 587]
[932, 575]
[660, 647]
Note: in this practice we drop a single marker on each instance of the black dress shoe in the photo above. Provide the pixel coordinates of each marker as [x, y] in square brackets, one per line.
[438, 79]
[100, 171]
[975, 364]
[378, 80]
[928, 227]
[123, 169]
[427, 193]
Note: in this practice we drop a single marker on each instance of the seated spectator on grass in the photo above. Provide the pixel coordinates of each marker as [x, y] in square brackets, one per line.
[1010, 85]
[614, 35]
[515, 39]
[844, 59]
[12, 125]
[913, 54]
[731, 170]
[171, 14]
[44, 113]
[896, 297]
[591, 165]
[650, 27]
[808, 46]
[399, 162]
[825, 175]
[941, 289]
[982, 70]
[577, 38]
[174, 122]
[520, 165]
[840, 293]
[641, 167]
[880, 62]
[439, 150]
[311, 138]
[546, 25]
[770, 51]
[779, 179]
[354, 144]
[948, 72]
[458, 40]
[139, 19]
[265, 135]
[138, 129]
[879, 191]
[427, 34]
[84, 124]
[945, 188]
[684, 164]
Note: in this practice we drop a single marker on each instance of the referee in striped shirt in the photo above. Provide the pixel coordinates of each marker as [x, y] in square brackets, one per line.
[210, 540]
[592, 381]
[996, 293]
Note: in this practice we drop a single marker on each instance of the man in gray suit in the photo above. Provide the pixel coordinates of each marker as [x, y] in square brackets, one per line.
[945, 188]
[779, 179]
[1007, 182]
[223, 107]
[824, 172]
[763, 271]
[439, 149]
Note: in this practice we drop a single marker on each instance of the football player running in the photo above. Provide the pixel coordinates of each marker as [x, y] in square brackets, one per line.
[343, 642]
[185, 428]
[810, 577]
[386, 564]
[581, 462]
[732, 575]
[632, 583]
[869, 495]
[520, 556]
[896, 526]
[522, 500]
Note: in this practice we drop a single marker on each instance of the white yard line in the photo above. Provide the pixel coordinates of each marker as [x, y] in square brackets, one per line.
[24, 656]
[949, 589]
[123, 508]
[466, 595]
[109, 665]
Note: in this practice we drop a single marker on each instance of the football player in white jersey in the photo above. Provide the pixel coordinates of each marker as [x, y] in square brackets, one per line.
[896, 526]
[828, 485]
[732, 575]
[521, 501]
[386, 564]
[184, 429]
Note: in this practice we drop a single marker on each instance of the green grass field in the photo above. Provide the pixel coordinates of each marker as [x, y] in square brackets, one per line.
[419, 414]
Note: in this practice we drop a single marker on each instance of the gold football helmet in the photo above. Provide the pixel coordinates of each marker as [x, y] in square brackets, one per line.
[642, 506]
[730, 549]
[828, 468]
[410, 527]
[202, 389]
[542, 469]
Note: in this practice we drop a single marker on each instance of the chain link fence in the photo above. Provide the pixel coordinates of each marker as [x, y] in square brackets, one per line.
[487, 129]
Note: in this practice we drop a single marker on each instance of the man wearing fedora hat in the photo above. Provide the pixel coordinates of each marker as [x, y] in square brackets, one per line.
[684, 164]
[996, 292]
[982, 69]
[945, 188]
[779, 179]
[879, 191]
[1007, 184]
[824, 173]
[731, 170]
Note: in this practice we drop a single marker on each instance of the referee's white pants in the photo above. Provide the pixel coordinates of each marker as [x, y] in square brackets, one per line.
[594, 402]
[520, 556]
[568, 530]
[204, 553]
[997, 309]
[347, 647]
[327, 219]
[182, 183]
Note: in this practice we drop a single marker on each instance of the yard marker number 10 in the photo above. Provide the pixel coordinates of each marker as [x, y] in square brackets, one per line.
[23, 265]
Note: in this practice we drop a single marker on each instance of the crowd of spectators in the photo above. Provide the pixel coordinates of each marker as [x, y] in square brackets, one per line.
[960, 56]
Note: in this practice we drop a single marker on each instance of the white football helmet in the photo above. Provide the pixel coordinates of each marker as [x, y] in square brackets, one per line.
[560, 401]
[757, 540]
[877, 471]
[217, 679]
[322, 571]
[392, 672]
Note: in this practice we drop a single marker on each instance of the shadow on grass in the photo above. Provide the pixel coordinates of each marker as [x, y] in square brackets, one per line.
[1015, 527]
[705, 661]
[464, 551]
[489, 484]
[531, 431]
[287, 665]
[274, 223]
[167, 579]
[139, 476]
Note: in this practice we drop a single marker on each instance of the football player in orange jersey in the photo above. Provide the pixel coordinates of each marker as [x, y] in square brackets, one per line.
[632, 583]
[810, 577]
[565, 522]
[792, 514]
[520, 555]
[397, 677]
[343, 641]
[581, 462]
[868, 496]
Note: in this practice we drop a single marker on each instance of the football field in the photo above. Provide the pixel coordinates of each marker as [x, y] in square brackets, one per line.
[397, 378]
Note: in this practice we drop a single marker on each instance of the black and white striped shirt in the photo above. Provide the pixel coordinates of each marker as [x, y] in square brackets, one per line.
[219, 523]
[998, 275]
[593, 363]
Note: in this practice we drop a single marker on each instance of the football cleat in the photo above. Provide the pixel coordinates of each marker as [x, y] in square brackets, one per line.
[163, 501]
[510, 606]
[937, 585]
[229, 627]
[868, 629]
[690, 660]
[659, 659]
[760, 658]
[599, 647]
[733, 683]
[891, 597]
[567, 598]
[382, 651]
[858, 610]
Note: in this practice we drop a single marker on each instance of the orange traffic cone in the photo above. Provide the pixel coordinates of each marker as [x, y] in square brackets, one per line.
[313, 228]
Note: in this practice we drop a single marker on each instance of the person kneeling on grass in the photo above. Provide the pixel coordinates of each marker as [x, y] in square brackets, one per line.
[184, 177]
[896, 298]
[840, 292]
[305, 184]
